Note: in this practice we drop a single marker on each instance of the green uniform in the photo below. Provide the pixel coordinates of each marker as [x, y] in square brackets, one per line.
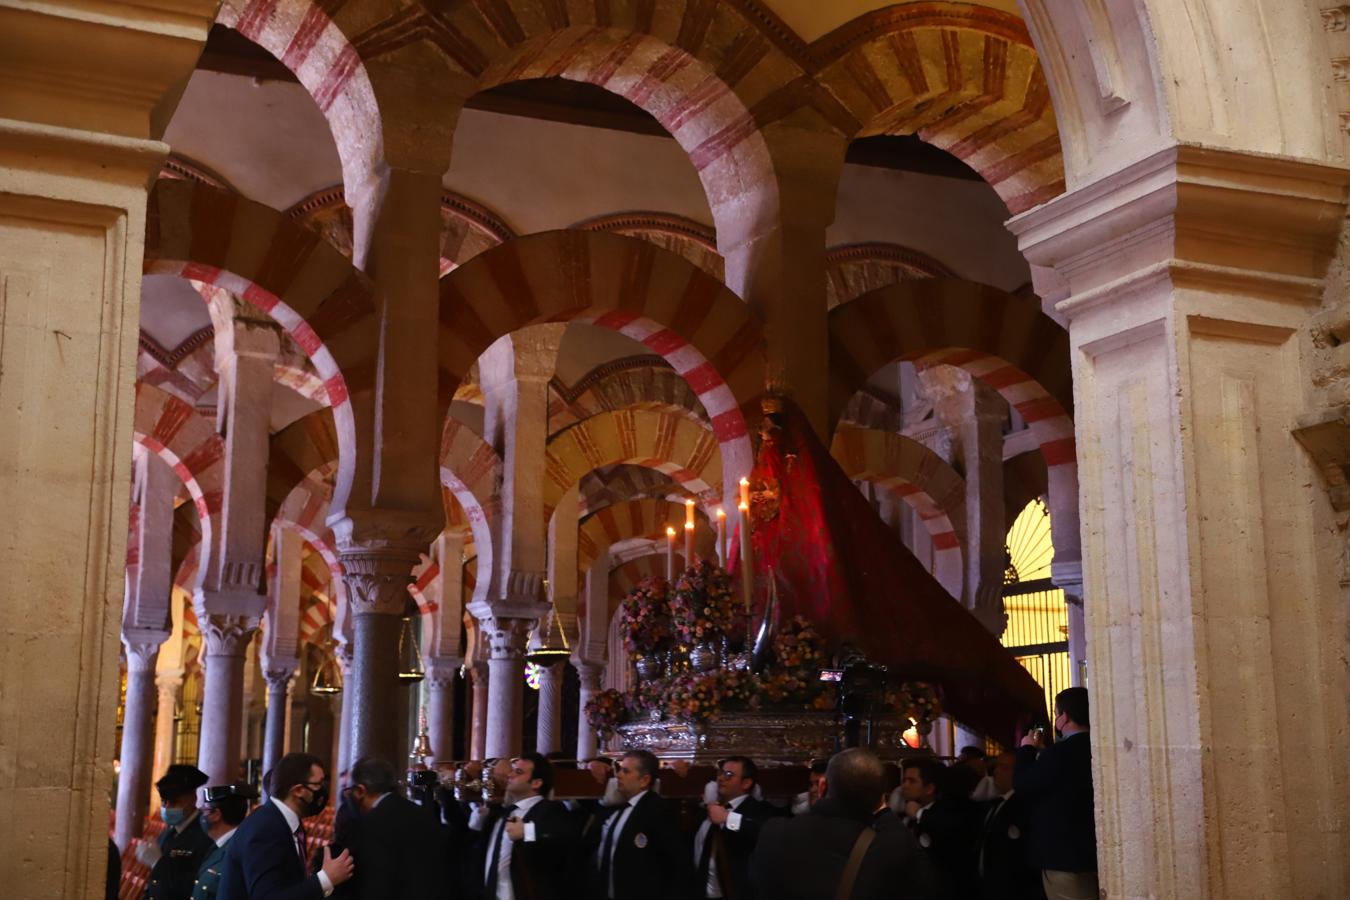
[208, 876]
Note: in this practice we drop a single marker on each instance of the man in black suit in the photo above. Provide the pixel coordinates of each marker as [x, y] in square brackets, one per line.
[1056, 783]
[803, 858]
[529, 839]
[940, 826]
[182, 846]
[640, 854]
[393, 840]
[727, 837]
[266, 858]
[1001, 862]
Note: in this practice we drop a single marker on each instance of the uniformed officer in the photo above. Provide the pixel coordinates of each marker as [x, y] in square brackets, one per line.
[175, 858]
[221, 808]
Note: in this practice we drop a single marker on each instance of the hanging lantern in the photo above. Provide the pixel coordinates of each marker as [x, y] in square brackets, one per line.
[554, 648]
[328, 676]
[411, 669]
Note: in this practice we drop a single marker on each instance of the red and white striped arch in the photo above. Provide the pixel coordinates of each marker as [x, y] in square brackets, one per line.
[909, 471]
[647, 518]
[627, 285]
[285, 270]
[172, 430]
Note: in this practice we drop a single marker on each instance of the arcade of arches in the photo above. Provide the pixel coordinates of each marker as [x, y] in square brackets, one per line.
[314, 315]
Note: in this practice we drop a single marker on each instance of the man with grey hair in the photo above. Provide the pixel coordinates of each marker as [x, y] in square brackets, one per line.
[805, 857]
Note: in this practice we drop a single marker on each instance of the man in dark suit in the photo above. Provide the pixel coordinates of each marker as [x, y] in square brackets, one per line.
[393, 841]
[940, 825]
[727, 837]
[1001, 862]
[182, 846]
[1056, 783]
[803, 858]
[266, 858]
[529, 839]
[639, 854]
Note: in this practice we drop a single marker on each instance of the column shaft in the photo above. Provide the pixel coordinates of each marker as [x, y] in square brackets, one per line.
[133, 781]
[548, 731]
[276, 735]
[588, 675]
[222, 722]
[168, 684]
[372, 688]
[441, 711]
[478, 735]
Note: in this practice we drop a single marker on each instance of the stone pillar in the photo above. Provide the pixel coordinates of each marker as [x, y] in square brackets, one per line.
[441, 708]
[343, 653]
[133, 782]
[277, 732]
[88, 90]
[1073, 602]
[226, 640]
[588, 674]
[1217, 677]
[506, 685]
[775, 261]
[548, 733]
[479, 675]
[168, 684]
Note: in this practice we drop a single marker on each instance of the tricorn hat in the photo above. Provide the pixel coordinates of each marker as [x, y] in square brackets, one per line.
[180, 779]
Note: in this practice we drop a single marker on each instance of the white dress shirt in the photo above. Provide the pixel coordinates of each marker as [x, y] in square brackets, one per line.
[733, 823]
[614, 828]
[224, 838]
[505, 889]
[293, 823]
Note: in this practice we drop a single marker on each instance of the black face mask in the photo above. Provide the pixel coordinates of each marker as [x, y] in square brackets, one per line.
[318, 799]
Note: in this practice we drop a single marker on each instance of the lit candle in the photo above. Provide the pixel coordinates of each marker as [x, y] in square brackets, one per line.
[745, 492]
[689, 543]
[689, 514]
[721, 536]
[747, 564]
[670, 553]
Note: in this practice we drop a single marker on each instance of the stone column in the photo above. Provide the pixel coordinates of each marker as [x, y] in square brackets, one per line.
[133, 783]
[1073, 601]
[775, 260]
[441, 707]
[506, 685]
[1218, 683]
[479, 675]
[343, 653]
[168, 684]
[277, 732]
[226, 640]
[588, 674]
[88, 90]
[548, 733]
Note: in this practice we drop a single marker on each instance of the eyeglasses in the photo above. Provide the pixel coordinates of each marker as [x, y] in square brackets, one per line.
[728, 773]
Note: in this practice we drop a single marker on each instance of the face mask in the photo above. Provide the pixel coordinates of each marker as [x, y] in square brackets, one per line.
[318, 799]
[172, 817]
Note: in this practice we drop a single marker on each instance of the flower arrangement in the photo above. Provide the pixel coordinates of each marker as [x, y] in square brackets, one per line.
[703, 607]
[607, 710]
[798, 645]
[917, 700]
[646, 621]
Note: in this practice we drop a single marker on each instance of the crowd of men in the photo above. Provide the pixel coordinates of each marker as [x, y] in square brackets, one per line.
[1017, 827]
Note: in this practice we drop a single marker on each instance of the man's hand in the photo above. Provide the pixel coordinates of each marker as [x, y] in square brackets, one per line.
[515, 829]
[912, 808]
[1034, 738]
[338, 868]
[717, 814]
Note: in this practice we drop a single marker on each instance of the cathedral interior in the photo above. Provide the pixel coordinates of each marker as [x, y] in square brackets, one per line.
[378, 345]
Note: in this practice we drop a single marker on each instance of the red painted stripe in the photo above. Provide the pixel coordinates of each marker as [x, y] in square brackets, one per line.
[946, 540]
[304, 336]
[311, 27]
[616, 320]
[729, 426]
[336, 80]
[337, 390]
[200, 272]
[263, 299]
[204, 456]
[1038, 409]
[1059, 452]
[703, 378]
[665, 341]
[254, 18]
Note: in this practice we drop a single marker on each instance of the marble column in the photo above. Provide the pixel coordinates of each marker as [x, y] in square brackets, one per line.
[1077, 637]
[548, 731]
[479, 676]
[343, 653]
[507, 639]
[168, 685]
[226, 640]
[277, 731]
[138, 727]
[588, 675]
[441, 707]
[1218, 687]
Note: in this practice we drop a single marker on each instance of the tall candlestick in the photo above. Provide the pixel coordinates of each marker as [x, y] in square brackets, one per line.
[689, 514]
[722, 536]
[745, 492]
[747, 564]
[670, 553]
[689, 544]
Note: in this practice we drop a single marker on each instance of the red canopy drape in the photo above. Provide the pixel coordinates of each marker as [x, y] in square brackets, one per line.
[835, 562]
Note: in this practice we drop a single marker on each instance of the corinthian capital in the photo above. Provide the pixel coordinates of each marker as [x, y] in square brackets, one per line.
[227, 635]
[377, 579]
[507, 638]
[141, 654]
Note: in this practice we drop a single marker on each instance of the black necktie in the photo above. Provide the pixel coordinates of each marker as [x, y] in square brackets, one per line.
[491, 885]
[300, 846]
[705, 858]
[607, 855]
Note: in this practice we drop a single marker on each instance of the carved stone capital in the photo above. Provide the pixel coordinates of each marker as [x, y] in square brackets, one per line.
[478, 674]
[141, 654]
[441, 672]
[227, 635]
[377, 579]
[169, 681]
[279, 677]
[507, 638]
[589, 675]
[391, 531]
